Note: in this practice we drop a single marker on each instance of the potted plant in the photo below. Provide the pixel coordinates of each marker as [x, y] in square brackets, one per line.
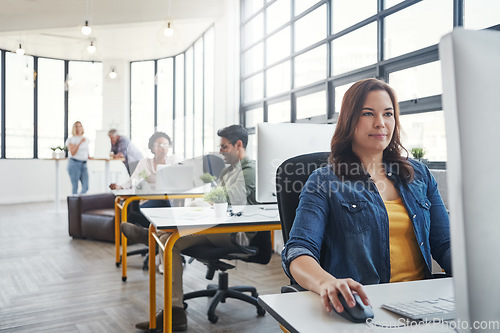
[218, 198]
[207, 178]
[58, 152]
[418, 154]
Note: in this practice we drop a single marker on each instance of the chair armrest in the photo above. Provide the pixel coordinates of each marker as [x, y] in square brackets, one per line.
[292, 288]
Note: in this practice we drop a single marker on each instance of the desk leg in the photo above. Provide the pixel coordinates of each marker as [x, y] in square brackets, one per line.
[117, 231]
[152, 277]
[106, 174]
[124, 239]
[57, 202]
[167, 282]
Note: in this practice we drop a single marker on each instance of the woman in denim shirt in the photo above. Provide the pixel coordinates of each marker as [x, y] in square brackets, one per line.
[371, 216]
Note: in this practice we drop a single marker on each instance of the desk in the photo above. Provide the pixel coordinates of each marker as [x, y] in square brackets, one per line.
[183, 221]
[123, 198]
[303, 312]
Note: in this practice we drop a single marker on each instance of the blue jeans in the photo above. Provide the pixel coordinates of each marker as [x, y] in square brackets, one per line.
[78, 172]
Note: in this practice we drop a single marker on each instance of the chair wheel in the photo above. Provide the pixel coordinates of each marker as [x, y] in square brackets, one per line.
[117, 264]
[185, 305]
[260, 311]
[124, 278]
[213, 319]
[144, 267]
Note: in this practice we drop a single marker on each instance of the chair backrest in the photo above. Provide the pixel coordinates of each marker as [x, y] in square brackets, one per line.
[213, 165]
[291, 177]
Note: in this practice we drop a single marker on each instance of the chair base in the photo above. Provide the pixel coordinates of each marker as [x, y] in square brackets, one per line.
[143, 252]
[221, 292]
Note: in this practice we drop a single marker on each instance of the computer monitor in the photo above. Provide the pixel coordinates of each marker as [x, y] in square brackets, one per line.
[278, 142]
[470, 63]
[174, 178]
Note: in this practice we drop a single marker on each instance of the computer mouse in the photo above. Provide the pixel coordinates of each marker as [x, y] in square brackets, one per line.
[358, 313]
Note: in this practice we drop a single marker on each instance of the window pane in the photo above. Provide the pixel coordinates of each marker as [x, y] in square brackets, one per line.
[209, 144]
[50, 106]
[425, 130]
[279, 112]
[278, 79]
[480, 14]
[417, 82]
[198, 98]
[254, 117]
[339, 94]
[253, 30]
[355, 50]
[165, 86]
[277, 14]
[310, 67]
[356, 12]
[142, 103]
[253, 59]
[406, 32]
[85, 98]
[302, 5]
[189, 104]
[179, 106]
[310, 28]
[252, 88]
[251, 7]
[311, 105]
[18, 106]
[278, 46]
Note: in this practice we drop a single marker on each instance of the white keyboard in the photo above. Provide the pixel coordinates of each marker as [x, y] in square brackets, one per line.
[425, 309]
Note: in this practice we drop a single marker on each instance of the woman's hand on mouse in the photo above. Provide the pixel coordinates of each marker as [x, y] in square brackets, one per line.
[329, 293]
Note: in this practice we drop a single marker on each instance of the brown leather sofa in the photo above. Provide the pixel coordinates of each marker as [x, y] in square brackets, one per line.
[92, 216]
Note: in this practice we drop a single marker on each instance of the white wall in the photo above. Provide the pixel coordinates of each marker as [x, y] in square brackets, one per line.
[34, 180]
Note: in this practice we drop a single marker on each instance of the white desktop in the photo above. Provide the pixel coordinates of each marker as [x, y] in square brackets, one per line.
[471, 91]
[278, 142]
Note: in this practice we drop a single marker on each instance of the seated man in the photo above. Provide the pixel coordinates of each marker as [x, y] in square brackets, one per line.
[239, 180]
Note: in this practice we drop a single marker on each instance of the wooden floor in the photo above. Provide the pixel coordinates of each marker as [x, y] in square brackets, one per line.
[50, 282]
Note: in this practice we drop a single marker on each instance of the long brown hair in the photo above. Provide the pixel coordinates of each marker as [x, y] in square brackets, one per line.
[346, 164]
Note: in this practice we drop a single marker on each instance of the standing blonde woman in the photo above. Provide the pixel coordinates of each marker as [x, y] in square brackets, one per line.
[78, 147]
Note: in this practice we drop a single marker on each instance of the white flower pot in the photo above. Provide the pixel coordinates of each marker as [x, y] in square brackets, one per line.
[220, 209]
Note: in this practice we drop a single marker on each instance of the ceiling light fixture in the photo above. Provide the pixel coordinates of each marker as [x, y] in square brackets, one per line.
[20, 50]
[91, 48]
[169, 32]
[113, 75]
[86, 29]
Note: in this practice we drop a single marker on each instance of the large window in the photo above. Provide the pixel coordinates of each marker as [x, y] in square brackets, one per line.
[85, 98]
[50, 105]
[43, 98]
[298, 66]
[181, 104]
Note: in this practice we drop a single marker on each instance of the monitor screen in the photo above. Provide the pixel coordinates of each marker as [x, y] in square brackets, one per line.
[278, 142]
[470, 62]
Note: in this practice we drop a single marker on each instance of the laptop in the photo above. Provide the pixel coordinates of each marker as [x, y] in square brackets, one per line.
[174, 178]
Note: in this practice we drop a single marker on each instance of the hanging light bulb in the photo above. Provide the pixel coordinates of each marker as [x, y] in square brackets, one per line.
[86, 29]
[113, 75]
[20, 50]
[169, 32]
[91, 48]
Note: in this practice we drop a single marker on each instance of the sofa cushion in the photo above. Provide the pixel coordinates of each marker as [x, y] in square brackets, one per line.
[99, 226]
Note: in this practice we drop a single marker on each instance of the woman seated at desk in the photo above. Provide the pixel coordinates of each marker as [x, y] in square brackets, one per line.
[145, 172]
[371, 216]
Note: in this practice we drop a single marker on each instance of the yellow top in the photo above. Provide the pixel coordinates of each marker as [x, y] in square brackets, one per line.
[407, 263]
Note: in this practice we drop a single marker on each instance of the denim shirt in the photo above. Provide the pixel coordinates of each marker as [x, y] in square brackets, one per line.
[344, 226]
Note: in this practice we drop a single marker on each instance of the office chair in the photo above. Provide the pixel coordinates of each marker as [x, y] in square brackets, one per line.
[213, 164]
[259, 251]
[291, 177]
